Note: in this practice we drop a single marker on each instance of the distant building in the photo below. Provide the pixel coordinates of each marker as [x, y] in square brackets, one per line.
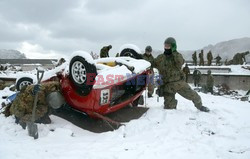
[29, 64]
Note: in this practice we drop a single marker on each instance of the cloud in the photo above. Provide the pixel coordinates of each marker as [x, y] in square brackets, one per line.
[113, 6]
[37, 52]
[64, 26]
[40, 12]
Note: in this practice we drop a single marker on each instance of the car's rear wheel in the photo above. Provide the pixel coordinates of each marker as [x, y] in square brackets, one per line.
[138, 101]
[82, 74]
[24, 81]
[130, 53]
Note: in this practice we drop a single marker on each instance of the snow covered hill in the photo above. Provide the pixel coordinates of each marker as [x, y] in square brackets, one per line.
[11, 54]
[183, 133]
[226, 49]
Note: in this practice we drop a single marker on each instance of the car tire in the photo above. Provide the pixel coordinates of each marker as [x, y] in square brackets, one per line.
[130, 53]
[138, 101]
[24, 81]
[79, 71]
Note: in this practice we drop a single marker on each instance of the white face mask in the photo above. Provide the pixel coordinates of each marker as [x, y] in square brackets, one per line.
[148, 53]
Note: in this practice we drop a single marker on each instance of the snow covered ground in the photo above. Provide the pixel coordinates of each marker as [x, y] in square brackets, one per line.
[223, 70]
[183, 133]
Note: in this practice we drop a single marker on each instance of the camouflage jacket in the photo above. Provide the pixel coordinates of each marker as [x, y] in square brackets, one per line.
[23, 104]
[104, 52]
[194, 56]
[210, 81]
[201, 56]
[186, 70]
[209, 56]
[197, 75]
[218, 58]
[170, 67]
[148, 58]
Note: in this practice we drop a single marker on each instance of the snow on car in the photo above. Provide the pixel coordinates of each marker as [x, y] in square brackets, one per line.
[98, 86]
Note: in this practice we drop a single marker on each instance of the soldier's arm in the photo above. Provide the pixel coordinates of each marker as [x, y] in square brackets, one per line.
[155, 63]
[179, 61]
[151, 60]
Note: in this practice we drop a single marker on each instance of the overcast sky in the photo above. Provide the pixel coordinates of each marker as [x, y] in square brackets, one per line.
[51, 28]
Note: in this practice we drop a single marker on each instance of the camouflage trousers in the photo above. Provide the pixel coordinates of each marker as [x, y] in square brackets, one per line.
[197, 82]
[210, 89]
[150, 85]
[195, 62]
[182, 88]
[201, 63]
[209, 62]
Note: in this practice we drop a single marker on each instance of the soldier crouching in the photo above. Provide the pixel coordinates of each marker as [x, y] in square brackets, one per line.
[22, 106]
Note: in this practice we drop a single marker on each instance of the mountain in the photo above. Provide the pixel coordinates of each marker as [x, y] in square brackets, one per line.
[11, 54]
[226, 49]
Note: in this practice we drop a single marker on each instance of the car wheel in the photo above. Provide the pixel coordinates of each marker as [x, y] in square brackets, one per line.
[130, 53]
[138, 101]
[79, 72]
[24, 81]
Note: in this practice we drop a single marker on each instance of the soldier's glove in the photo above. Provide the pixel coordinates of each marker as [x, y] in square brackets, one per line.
[160, 92]
[36, 89]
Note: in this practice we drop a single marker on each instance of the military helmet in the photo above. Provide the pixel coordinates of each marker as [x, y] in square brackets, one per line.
[148, 49]
[171, 41]
[208, 71]
[110, 46]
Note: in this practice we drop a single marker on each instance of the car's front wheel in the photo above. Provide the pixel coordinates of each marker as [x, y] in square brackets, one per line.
[82, 74]
[24, 81]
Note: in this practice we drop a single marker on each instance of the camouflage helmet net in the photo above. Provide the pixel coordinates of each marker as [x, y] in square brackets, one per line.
[148, 49]
[171, 41]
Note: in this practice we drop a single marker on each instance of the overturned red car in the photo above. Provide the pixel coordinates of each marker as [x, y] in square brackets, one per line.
[99, 86]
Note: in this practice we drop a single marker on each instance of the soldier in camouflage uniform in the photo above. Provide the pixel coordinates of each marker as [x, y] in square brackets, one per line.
[23, 104]
[218, 58]
[239, 58]
[209, 58]
[194, 57]
[196, 77]
[186, 71]
[2, 84]
[1, 68]
[226, 62]
[210, 82]
[105, 51]
[169, 65]
[149, 57]
[201, 56]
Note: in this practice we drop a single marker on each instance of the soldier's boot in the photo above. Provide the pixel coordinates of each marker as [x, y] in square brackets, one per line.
[20, 122]
[44, 120]
[171, 106]
[200, 107]
[204, 109]
[150, 95]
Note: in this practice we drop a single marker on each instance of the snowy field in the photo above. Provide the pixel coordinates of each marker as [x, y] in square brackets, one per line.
[224, 133]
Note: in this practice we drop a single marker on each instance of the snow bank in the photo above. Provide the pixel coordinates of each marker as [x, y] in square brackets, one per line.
[183, 133]
[235, 69]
